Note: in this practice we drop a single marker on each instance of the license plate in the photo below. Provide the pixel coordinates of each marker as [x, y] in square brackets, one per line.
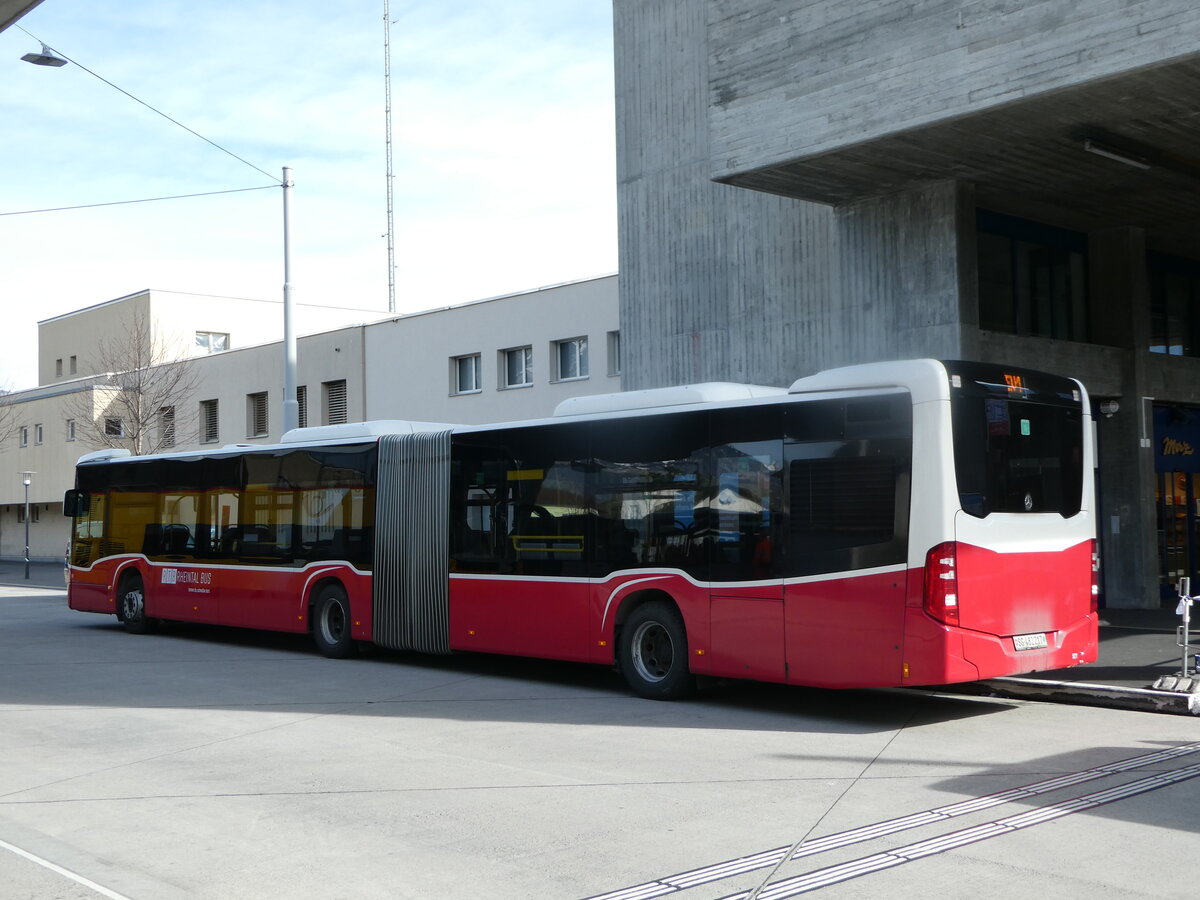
[1029, 641]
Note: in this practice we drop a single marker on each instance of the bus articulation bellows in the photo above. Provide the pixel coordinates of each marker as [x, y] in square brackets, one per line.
[906, 523]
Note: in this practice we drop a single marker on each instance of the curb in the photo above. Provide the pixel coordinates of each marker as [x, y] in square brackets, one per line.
[1084, 694]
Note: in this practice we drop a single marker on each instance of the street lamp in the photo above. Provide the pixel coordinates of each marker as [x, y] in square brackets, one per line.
[291, 408]
[26, 477]
[46, 58]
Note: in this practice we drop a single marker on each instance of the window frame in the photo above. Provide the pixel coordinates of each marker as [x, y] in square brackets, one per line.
[335, 394]
[527, 367]
[258, 419]
[210, 415]
[1048, 299]
[456, 372]
[166, 426]
[204, 341]
[614, 352]
[580, 346]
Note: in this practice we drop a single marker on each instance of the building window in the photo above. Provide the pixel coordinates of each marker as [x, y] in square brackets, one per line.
[518, 367]
[74, 366]
[70, 429]
[211, 341]
[210, 431]
[256, 415]
[1174, 305]
[302, 405]
[58, 368]
[38, 434]
[614, 353]
[465, 375]
[24, 435]
[114, 427]
[1032, 278]
[571, 359]
[333, 395]
[33, 513]
[166, 426]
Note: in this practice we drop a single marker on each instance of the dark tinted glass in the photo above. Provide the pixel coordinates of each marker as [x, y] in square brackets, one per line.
[519, 501]
[1018, 441]
[650, 489]
[742, 512]
[849, 466]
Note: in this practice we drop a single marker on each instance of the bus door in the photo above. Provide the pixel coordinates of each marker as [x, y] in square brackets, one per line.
[181, 587]
[740, 513]
[521, 524]
[848, 489]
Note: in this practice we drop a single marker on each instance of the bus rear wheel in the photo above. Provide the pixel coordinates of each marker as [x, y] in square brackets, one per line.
[654, 654]
[331, 623]
[132, 598]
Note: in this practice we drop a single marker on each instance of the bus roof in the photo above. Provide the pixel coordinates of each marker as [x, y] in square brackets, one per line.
[925, 379]
[653, 398]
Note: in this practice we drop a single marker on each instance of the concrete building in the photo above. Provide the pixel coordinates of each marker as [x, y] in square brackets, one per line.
[838, 182]
[505, 358]
[176, 324]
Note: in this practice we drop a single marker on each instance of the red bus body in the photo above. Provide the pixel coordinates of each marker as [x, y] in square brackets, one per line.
[971, 596]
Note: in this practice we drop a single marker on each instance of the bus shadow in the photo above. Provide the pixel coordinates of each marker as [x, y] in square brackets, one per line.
[486, 687]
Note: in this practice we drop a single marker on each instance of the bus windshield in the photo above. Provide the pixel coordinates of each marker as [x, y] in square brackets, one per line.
[1018, 441]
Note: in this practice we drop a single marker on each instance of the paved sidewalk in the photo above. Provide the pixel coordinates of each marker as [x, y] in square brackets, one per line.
[1137, 647]
[41, 574]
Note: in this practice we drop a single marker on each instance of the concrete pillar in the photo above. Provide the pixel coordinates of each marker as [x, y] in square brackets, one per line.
[1127, 526]
[901, 277]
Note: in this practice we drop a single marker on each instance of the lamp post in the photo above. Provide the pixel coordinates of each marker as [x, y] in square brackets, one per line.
[26, 478]
[291, 409]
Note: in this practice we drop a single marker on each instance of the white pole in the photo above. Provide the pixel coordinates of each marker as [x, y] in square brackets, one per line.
[26, 477]
[387, 118]
[291, 409]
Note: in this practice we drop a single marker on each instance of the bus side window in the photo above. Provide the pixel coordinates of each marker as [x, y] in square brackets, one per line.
[88, 531]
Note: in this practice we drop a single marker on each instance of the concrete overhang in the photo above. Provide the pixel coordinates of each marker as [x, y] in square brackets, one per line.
[1030, 153]
[11, 10]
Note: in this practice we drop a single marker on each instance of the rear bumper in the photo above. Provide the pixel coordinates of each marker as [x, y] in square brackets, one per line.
[939, 654]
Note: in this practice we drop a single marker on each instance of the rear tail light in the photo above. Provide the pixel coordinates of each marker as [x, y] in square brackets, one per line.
[1095, 577]
[941, 583]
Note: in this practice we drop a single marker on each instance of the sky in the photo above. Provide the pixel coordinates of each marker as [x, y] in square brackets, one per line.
[502, 145]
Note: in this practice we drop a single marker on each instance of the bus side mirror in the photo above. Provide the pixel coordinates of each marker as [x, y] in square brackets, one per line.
[76, 503]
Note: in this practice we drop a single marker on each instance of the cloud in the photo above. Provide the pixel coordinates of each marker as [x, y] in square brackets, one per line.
[503, 152]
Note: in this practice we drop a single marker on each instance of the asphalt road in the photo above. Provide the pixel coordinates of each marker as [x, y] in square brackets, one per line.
[214, 763]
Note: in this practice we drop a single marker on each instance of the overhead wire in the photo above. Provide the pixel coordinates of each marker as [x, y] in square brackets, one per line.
[276, 181]
[26, 212]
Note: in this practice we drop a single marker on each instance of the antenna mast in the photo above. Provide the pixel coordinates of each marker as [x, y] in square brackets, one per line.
[387, 118]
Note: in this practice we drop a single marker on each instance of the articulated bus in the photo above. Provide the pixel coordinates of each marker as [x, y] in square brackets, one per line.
[904, 523]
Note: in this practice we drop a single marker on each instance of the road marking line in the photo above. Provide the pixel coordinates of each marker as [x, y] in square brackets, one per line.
[720, 871]
[66, 873]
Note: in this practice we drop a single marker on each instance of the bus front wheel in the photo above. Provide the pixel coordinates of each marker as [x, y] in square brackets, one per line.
[331, 623]
[653, 652]
[132, 598]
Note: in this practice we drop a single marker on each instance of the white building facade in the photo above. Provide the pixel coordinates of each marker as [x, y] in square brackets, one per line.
[502, 359]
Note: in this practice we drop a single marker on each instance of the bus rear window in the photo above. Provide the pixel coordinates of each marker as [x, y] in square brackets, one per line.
[1017, 456]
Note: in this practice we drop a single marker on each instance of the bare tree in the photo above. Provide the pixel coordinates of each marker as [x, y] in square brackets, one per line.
[8, 417]
[138, 396]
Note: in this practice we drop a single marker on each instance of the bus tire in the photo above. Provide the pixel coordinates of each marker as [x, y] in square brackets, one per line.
[331, 623]
[653, 652]
[132, 600]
